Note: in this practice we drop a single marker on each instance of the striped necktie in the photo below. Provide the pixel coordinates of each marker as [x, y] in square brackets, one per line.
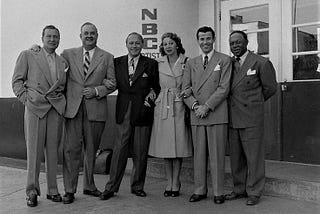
[86, 63]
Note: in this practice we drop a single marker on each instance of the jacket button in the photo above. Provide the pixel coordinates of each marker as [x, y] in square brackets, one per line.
[245, 105]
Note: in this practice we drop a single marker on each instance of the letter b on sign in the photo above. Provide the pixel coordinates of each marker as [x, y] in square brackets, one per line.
[149, 29]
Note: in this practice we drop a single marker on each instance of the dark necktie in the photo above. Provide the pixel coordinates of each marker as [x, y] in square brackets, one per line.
[237, 64]
[86, 63]
[205, 63]
[131, 70]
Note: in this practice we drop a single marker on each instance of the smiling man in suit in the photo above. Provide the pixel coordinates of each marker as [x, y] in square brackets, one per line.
[138, 85]
[253, 82]
[38, 81]
[86, 110]
[208, 77]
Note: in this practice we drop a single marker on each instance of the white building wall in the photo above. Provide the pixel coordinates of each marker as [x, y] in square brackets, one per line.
[23, 20]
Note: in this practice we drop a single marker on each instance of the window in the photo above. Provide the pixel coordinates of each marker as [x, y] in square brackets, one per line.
[306, 39]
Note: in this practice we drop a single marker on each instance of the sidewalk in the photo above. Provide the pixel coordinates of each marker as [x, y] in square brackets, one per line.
[12, 198]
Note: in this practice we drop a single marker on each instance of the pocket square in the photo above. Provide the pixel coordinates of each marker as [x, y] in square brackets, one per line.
[144, 75]
[217, 68]
[251, 72]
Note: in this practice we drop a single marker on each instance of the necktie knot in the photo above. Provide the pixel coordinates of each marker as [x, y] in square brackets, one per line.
[205, 63]
[238, 59]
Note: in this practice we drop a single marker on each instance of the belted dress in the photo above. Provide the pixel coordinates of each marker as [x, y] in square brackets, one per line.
[170, 137]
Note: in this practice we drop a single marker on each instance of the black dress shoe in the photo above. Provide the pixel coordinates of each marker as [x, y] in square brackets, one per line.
[253, 200]
[196, 197]
[68, 198]
[175, 193]
[106, 195]
[234, 195]
[55, 198]
[32, 200]
[95, 193]
[167, 193]
[139, 193]
[218, 199]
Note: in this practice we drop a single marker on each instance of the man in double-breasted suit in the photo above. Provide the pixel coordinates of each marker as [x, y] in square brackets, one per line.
[86, 110]
[208, 75]
[38, 81]
[138, 84]
[253, 82]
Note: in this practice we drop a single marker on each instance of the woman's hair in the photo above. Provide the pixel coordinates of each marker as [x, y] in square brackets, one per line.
[176, 39]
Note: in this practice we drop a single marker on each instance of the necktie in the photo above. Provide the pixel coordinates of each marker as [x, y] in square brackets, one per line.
[52, 66]
[237, 64]
[205, 63]
[131, 70]
[86, 63]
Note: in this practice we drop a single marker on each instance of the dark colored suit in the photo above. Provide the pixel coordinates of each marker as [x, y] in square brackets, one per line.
[45, 103]
[252, 84]
[210, 87]
[134, 120]
[85, 118]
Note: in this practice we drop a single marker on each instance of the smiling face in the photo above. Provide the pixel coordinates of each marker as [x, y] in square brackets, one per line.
[134, 45]
[50, 40]
[238, 44]
[89, 36]
[205, 41]
[169, 46]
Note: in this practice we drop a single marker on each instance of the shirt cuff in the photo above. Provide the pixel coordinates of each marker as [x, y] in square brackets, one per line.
[97, 93]
[194, 104]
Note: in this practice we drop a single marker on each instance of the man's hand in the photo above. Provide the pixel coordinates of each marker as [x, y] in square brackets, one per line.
[150, 98]
[201, 111]
[35, 48]
[89, 92]
[109, 84]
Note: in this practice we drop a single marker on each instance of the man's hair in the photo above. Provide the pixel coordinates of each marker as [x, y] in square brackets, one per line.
[88, 23]
[244, 35]
[135, 33]
[205, 29]
[176, 39]
[50, 27]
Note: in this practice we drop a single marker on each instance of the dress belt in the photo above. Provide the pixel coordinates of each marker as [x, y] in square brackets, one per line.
[167, 101]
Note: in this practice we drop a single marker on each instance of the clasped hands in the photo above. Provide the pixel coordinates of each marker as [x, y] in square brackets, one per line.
[201, 111]
[89, 93]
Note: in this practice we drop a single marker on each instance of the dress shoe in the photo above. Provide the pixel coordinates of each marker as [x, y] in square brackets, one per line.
[234, 195]
[55, 198]
[176, 193]
[32, 200]
[139, 193]
[196, 197]
[106, 195]
[95, 193]
[167, 193]
[218, 199]
[253, 200]
[68, 198]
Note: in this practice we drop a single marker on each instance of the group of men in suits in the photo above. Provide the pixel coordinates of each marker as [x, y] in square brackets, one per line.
[76, 85]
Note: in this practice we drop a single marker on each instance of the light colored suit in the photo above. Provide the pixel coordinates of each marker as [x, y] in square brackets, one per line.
[252, 84]
[210, 87]
[44, 104]
[85, 118]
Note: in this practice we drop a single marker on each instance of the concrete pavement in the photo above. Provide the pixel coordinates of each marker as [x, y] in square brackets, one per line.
[12, 198]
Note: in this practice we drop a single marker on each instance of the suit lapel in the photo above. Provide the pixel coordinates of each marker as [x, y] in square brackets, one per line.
[208, 71]
[124, 69]
[43, 64]
[97, 56]
[238, 76]
[78, 58]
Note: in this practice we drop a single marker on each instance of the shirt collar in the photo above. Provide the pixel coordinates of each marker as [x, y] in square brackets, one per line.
[244, 56]
[91, 52]
[49, 54]
[209, 55]
[135, 59]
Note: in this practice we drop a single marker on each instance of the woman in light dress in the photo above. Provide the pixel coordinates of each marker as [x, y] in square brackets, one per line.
[171, 138]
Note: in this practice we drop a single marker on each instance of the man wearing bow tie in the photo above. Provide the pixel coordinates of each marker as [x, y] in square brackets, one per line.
[138, 85]
[39, 81]
[253, 83]
[208, 75]
[86, 110]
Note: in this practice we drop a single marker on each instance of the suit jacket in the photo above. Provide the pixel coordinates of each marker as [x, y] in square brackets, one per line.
[252, 84]
[33, 85]
[146, 76]
[210, 87]
[101, 67]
